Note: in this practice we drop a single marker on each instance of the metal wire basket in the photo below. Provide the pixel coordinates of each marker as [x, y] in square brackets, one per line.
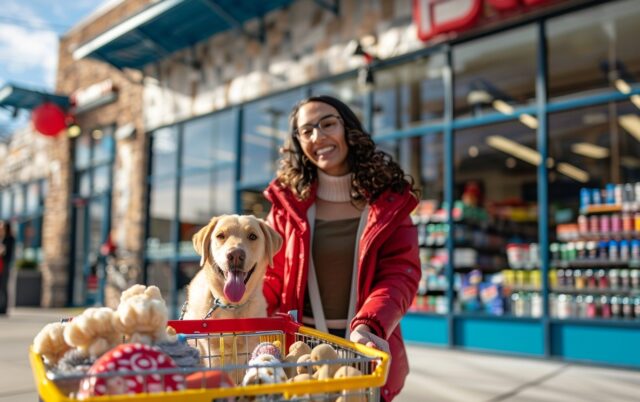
[226, 346]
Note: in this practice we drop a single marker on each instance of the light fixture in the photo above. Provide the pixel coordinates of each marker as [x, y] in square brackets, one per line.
[624, 87]
[630, 162]
[573, 172]
[513, 148]
[533, 157]
[505, 108]
[96, 134]
[590, 150]
[73, 131]
[473, 151]
[631, 123]
[502, 106]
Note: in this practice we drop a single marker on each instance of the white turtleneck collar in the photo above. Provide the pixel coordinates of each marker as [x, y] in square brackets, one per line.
[334, 188]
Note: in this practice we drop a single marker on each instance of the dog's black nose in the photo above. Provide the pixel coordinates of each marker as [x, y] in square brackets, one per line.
[236, 256]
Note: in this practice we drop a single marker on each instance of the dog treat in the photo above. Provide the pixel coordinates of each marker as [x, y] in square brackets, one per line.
[296, 350]
[132, 358]
[301, 377]
[347, 371]
[307, 368]
[325, 352]
[323, 373]
[92, 332]
[266, 348]
[142, 315]
[357, 395]
[50, 343]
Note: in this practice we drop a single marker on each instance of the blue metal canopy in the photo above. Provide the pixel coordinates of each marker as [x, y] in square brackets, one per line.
[171, 25]
[18, 97]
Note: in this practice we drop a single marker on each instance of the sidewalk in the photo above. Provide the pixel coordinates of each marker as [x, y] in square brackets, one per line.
[436, 374]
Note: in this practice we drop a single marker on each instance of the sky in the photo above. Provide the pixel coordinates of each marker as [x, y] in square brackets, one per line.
[29, 32]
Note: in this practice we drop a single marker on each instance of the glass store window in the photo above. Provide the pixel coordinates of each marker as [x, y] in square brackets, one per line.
[207, 174]
[595, 244]
[265, 128]
[94, 152]
[409, 95]
[594, 50]
[347, 90]
[7, 201]
[495, 74]
[162, 192]
[495, 230]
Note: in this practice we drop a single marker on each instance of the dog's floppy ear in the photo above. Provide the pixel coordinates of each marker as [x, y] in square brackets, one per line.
[202, 240]
[273, 240]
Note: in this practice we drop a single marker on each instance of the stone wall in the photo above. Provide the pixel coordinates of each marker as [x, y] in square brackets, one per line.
[128, 197]
[303, 42]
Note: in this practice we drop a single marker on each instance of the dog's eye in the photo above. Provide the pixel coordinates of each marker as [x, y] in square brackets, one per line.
[252, 236]
[220, 236]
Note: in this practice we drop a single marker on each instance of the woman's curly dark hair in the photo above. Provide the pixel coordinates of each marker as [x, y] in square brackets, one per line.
[373, 171]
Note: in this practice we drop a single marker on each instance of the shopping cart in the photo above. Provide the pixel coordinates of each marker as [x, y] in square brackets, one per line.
[235, 339]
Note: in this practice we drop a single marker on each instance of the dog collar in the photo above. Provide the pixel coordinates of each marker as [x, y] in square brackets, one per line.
[217, 303]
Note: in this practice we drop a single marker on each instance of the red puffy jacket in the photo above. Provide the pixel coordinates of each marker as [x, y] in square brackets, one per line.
[388, 269]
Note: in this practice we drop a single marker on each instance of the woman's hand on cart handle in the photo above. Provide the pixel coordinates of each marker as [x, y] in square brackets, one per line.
[362, 334]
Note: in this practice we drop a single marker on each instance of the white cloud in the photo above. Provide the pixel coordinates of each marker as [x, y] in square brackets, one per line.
[23, 49]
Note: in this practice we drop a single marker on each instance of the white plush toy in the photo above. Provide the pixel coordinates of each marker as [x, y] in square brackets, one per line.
[142, 315]
[92, 332]
[50, 343]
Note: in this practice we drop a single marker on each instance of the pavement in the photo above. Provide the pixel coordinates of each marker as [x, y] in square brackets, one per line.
[437, 374]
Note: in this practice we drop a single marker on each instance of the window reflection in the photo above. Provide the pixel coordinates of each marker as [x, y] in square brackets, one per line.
[203, 196]
[82, 151]
[346, 90]
[161, 214]
[103, 144]
[164, 151]
[495, 210]
[33, 197]
[495, 74]
[18, 200]
[593, 49]
[265, 128]
[209, 142]
[409, 95]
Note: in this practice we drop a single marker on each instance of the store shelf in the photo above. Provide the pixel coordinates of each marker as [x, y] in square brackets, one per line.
[523, 288]
[614, 322]
[487, 316]
[595, 264]
[602, 209]
[596, 291]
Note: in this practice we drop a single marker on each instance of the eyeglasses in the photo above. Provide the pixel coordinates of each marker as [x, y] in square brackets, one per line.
[327, 125]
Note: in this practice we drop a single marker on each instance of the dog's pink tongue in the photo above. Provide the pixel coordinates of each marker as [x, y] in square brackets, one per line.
[234, 287]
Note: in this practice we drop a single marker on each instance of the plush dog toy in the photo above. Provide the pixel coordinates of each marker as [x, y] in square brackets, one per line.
[50, 343]
[142, 315]
[92, 333]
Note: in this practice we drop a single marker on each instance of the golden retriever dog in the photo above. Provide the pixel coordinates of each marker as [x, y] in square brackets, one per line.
[235, 252]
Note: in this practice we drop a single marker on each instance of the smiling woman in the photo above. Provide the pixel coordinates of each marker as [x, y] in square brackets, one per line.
[342, 207]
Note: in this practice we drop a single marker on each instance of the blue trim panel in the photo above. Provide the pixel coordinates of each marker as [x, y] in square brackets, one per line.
[513, 336]
[423, 328]
[594, 343]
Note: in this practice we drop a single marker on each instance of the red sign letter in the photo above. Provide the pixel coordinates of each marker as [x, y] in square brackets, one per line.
[433, 17]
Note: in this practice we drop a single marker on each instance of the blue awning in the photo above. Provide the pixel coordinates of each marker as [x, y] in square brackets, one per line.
[18, 97]
[171, 25]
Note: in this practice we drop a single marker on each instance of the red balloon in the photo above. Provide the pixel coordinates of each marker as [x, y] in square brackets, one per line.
[48, 119]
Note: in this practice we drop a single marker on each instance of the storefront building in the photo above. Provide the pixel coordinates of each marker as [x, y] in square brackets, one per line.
[96, 189]
[519, 120]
